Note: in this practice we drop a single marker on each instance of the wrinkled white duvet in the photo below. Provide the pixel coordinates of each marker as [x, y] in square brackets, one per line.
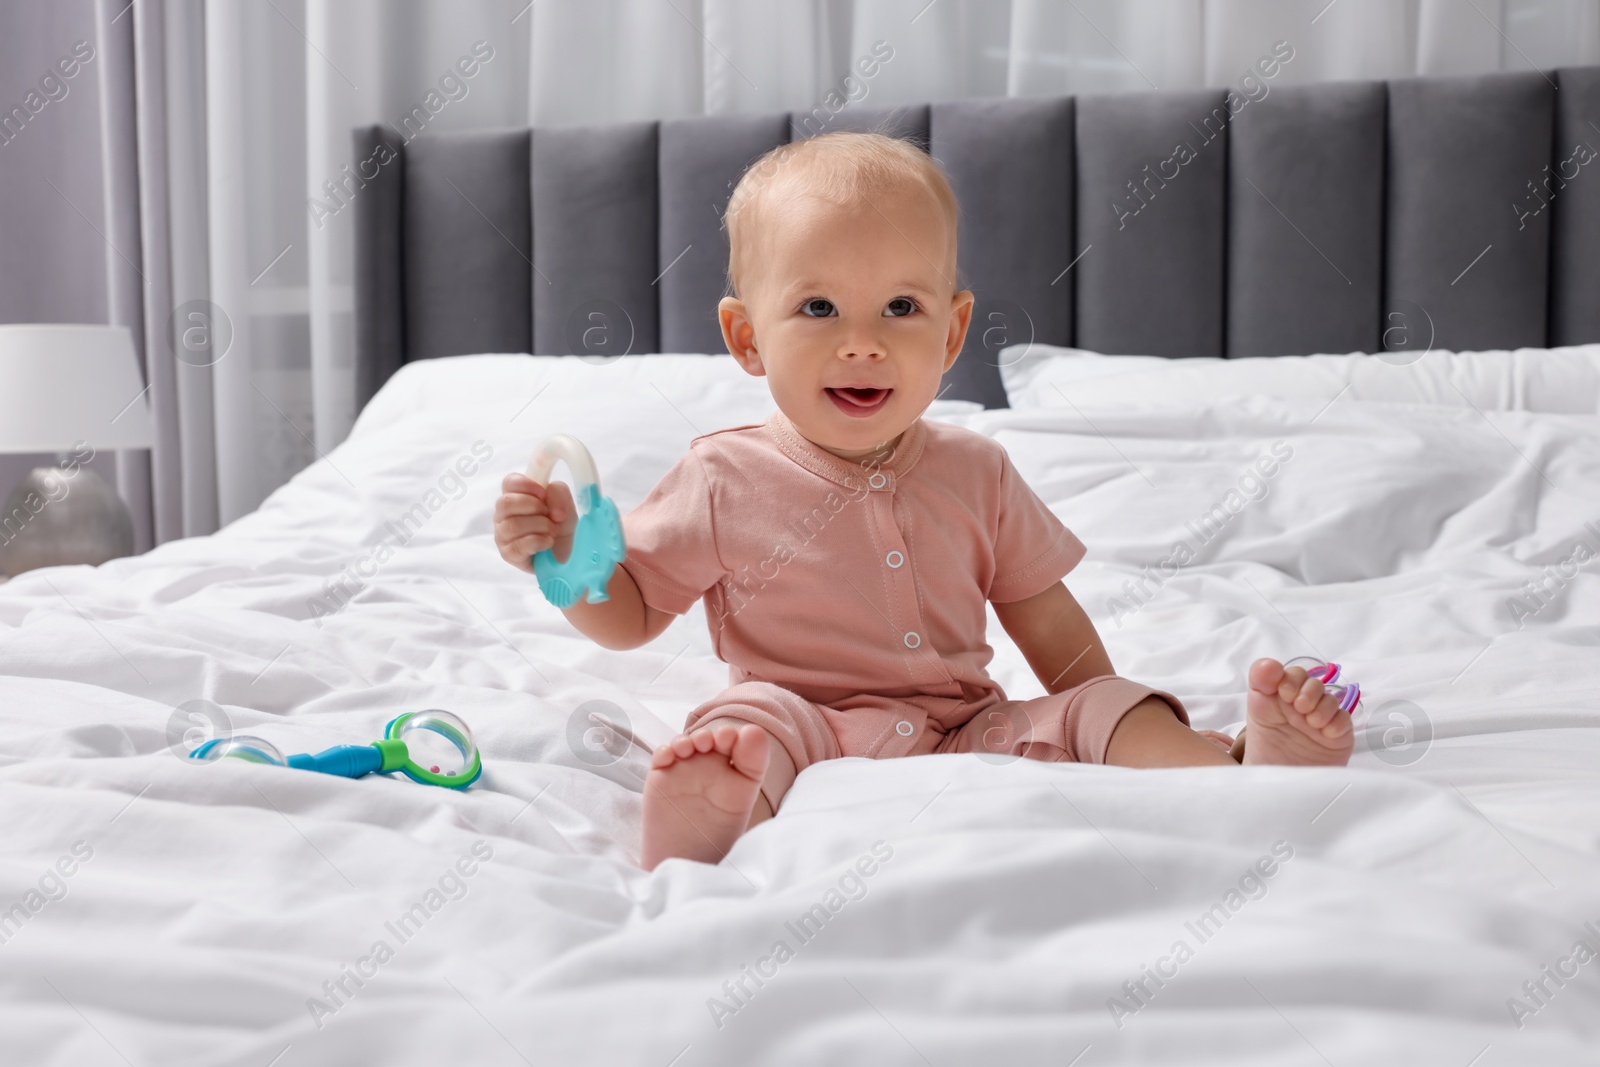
[1420, 907]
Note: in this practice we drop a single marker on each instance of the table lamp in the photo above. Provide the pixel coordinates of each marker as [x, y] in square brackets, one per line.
[76, 391]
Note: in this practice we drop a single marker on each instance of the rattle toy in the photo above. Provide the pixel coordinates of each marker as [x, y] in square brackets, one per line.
[1348, 693]
[432, 747]
[597, 545]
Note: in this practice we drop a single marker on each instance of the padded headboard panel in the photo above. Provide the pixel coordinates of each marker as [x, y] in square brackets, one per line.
[1311, 220]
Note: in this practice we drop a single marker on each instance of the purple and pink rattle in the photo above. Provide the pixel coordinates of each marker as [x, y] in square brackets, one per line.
[1348, 693]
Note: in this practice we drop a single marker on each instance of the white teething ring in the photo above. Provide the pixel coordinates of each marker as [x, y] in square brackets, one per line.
[566, 448]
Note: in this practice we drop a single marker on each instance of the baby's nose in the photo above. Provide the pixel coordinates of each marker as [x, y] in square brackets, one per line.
[862, 348]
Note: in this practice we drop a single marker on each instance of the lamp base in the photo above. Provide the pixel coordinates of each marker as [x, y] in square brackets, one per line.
[53, 519]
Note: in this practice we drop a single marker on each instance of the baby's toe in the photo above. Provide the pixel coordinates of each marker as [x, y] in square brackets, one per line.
[1294, 679]
[1266, 675]
[1311, 693]
[1326, 711]
[750, 755]
[723, 737]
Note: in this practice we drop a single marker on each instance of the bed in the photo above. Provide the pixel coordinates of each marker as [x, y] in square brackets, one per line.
[1429, 520]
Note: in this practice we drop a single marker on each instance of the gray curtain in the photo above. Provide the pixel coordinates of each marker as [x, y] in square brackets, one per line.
[87, 230]
[167, 169]
[53, 226]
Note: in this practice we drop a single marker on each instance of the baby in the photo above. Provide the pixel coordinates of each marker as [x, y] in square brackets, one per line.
[846, 549]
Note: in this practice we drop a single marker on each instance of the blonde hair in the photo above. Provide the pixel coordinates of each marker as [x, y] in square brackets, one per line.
[842, 168]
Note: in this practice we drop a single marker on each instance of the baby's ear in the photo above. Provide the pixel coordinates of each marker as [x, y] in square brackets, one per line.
[739, 334]
[960, 319]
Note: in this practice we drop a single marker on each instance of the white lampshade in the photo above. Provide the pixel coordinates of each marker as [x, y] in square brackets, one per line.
[63, 384]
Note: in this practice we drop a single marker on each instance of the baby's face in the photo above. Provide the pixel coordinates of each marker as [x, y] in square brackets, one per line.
[851, 313]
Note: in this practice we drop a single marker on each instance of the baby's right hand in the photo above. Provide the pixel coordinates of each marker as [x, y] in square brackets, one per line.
[529, 518]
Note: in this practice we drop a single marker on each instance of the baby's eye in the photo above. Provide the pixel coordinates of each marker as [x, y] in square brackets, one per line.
[817, 307]
[900, 306]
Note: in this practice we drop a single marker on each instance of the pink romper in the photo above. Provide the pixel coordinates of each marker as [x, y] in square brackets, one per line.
[848, 599]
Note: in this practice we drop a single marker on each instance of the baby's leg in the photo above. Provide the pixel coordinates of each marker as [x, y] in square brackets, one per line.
[728, 771]
[702, 790]
[1291, 721]
[1104, 720]
[1149, 735]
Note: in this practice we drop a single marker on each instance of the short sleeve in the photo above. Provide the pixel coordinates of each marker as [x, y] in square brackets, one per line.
[671, 546]
[1032, 549]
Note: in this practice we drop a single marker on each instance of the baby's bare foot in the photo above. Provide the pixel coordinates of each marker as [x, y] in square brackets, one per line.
[1292, 720]
[700, 791]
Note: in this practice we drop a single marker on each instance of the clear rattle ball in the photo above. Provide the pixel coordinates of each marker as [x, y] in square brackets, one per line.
[249, 749]
[438, 741]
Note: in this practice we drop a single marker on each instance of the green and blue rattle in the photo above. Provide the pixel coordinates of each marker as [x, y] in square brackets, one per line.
[597, 545]
[432, 747]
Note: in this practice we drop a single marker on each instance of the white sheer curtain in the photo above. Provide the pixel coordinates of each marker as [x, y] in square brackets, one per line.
[285, 80]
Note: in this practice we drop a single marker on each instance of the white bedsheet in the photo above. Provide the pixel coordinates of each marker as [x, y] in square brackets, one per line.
[1007, 905]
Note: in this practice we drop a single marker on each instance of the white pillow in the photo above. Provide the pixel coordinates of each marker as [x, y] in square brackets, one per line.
[490, 382]
[714, 391]
[1556, 380]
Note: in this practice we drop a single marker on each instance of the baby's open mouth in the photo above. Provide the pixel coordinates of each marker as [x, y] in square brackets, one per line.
[859, 401]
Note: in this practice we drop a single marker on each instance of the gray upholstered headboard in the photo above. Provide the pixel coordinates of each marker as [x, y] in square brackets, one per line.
[1308, 220]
